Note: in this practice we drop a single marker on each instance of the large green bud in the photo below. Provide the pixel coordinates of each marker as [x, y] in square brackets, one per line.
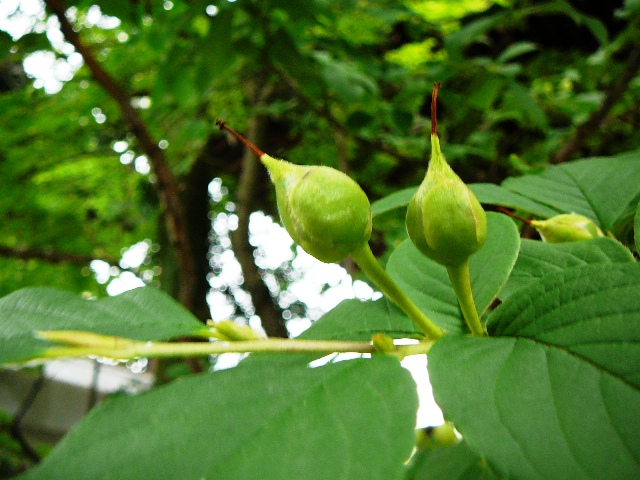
[324, 210]
[445, 221]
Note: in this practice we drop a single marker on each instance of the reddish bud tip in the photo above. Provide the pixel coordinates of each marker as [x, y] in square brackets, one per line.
[434, 102]
[223, 126]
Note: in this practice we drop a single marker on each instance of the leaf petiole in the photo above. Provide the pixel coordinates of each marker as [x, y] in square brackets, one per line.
[369, 264]
[461, 281]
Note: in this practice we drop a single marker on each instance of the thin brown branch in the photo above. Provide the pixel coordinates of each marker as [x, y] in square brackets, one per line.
[584, 131]
[166, 184]
[52, 256]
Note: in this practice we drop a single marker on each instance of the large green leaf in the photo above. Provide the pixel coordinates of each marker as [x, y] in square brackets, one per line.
[489, 193]
[599, 188]
[345, 420]
[397, 199]
[559, 389]
[537, 259]
[141, 314]
[427, 283]
[604, 189]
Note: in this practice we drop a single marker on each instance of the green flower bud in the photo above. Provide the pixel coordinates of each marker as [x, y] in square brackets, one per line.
[383, 343]
[568, 227]
[444, 218]
[445, 435]
[324, 211]
[231, 331]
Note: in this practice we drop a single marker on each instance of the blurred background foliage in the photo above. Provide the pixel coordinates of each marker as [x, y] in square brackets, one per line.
[342, 83]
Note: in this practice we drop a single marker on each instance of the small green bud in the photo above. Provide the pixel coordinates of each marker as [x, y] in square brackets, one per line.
[383, 343]
[231, 331]
[564, 228]
[444, 220]
[568, 227]
[324, 210]
[445, 435]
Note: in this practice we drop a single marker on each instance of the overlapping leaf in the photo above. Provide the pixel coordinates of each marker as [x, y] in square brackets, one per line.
[346, 420]
[558, 390]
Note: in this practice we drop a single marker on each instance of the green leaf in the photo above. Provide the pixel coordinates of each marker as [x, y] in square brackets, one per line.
[520, 99]
[601, 189]
[636, 229]
[487, 193]
[456, 462]
[597, 28]
[537, 259]
[398, 199]
[356, 320]
[352, 419]
[491, 194]
[485, 91]
[217, 47]
[427, 282]
[286, 54]
[140, 314]
[515, 50]
[344, 79]
[559, 389]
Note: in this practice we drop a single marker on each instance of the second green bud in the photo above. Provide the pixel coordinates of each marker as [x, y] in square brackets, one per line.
[444, 220]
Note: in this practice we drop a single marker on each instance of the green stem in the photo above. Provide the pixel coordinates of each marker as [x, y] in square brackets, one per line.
[369, 264]
[82, 344]
[414, 349]
[461, 281]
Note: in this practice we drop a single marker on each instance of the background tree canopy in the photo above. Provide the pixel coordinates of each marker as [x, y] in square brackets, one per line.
[122, 148]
